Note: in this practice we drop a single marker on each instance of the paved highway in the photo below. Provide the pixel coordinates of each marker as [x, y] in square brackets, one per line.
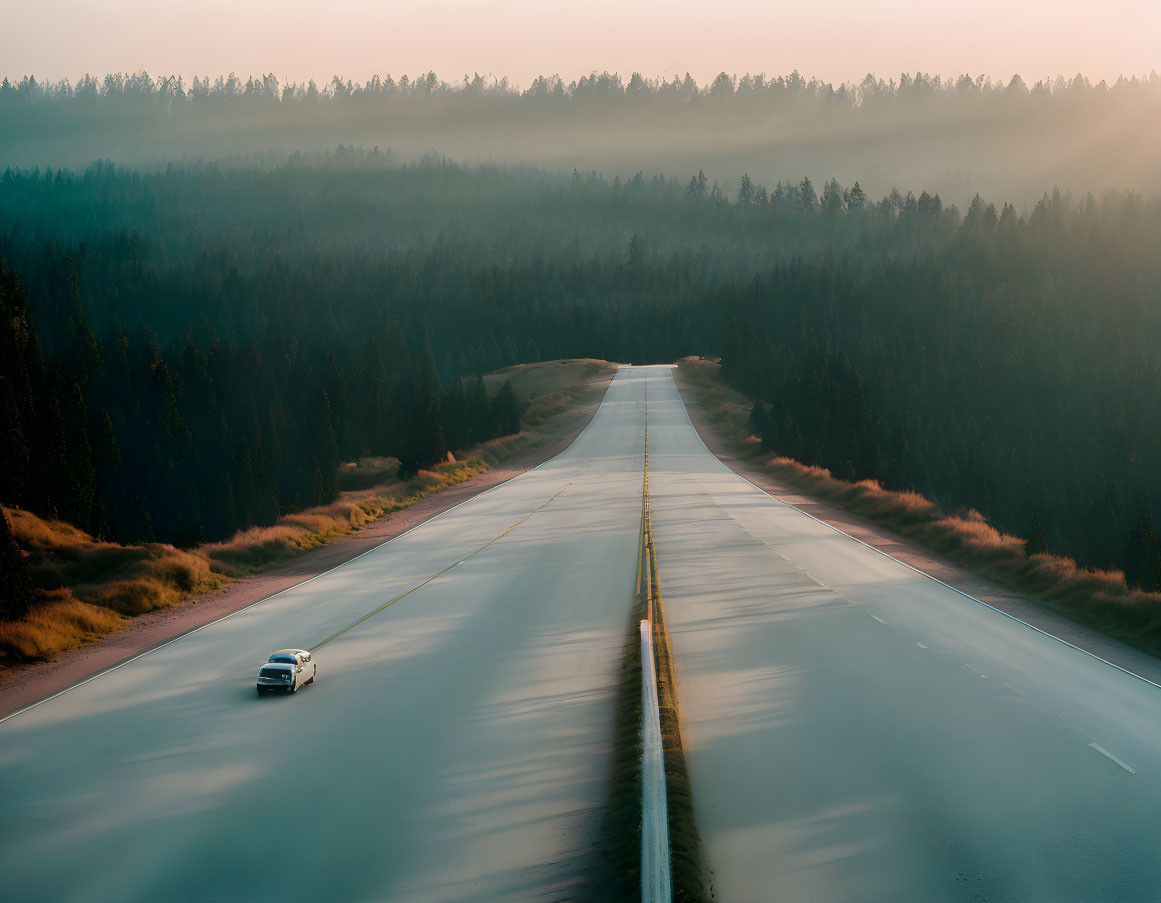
[858, 732]
[455, 746]
[855, 731]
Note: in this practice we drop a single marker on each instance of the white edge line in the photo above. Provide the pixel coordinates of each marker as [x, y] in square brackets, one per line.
[880, 620]
[904, 563]
[422, 523]
[1107, 754]
[920, 645]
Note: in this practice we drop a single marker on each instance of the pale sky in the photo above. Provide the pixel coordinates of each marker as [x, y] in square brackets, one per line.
[836, 40]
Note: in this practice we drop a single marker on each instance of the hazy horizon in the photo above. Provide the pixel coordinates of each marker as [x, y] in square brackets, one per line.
[323, 80]
[955, 137]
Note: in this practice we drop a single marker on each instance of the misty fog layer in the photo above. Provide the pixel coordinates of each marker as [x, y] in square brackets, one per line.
[954, 137]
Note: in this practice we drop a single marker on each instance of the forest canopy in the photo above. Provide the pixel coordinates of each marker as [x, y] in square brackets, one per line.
[189, 349]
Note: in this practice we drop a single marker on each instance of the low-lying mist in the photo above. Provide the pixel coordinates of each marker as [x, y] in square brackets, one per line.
[951, 137]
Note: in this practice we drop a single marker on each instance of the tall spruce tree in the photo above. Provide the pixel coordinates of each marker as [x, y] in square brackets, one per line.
[17, 592]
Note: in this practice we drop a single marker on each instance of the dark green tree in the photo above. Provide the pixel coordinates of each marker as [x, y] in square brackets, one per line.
[1037, 541]
[507, 410]
[17, 592]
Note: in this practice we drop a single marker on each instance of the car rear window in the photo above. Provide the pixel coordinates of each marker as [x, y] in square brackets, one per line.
[273, 672]
[283, 659]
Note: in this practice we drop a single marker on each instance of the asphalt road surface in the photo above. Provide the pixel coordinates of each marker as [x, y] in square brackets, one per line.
[856, 731]
[455, 747]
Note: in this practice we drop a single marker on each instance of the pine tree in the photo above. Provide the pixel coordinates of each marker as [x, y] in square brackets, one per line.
[760, 422]
[697, 187]
[1037, 541]
[425, 443]
[1143, 555]
[324, 451]
[480, 412]
[746, 192]
[453, 415]
[17, 592]
[508, 410]
[855, 197]
[807, 198]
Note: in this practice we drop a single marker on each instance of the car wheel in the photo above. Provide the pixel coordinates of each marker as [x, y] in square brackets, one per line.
[294, 686]
[261, 692]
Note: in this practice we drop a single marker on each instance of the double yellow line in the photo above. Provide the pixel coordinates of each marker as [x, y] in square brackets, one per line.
[454, 564]
[646, 553]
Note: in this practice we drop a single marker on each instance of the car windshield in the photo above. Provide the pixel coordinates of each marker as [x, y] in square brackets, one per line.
[283, 659]
[274, 672]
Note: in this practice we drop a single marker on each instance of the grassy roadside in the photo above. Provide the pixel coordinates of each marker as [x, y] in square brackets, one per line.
[1102, 600]
[89, 588]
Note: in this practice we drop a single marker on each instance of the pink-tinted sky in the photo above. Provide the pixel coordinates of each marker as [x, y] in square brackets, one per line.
[837, 40]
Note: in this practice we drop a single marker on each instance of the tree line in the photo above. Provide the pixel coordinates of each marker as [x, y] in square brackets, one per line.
[141, 87]
[189, 442]
[955, 136]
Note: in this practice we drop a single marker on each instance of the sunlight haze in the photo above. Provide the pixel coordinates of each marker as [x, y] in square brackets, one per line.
[835, 40]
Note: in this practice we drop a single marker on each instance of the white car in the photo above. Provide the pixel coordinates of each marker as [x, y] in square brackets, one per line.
[286, 671]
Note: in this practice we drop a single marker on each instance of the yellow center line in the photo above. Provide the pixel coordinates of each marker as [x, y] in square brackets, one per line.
[644, 497]
[445, 570]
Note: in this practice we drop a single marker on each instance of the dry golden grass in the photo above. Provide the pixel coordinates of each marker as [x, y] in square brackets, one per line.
[259, 547]
[127, 579]
[1100, 599]
[88, 587]
[60, 622]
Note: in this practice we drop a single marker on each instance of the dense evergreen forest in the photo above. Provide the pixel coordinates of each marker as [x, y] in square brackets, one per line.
[187, 350]
[1006, 139]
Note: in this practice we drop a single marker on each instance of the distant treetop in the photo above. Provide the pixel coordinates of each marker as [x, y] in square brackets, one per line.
[597, 86]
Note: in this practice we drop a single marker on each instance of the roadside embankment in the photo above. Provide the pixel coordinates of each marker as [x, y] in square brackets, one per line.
[91, 586]
[101, 603]
[1096, 610]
